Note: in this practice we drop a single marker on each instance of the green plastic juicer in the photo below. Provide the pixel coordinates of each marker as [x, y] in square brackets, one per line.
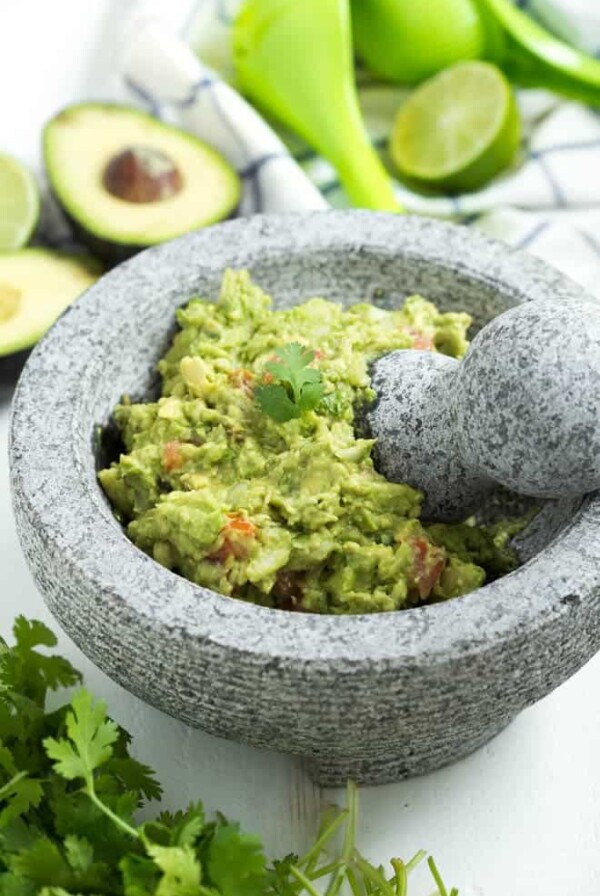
[294, 60]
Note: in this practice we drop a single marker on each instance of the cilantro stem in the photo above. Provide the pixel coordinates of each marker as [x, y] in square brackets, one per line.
[10, 784]
[324, 870]
[323, 838]
[354, 884]
[401, 877]
[89, 789]
[349, 838]
[436, 876]
[301, 878]
[416, 860]
[371, 873]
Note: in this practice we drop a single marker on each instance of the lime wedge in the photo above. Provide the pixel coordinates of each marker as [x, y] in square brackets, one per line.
[19, 204]
[457, 130]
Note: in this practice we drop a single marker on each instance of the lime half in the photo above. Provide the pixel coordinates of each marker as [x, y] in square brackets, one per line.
[19, 204]
[457, 130]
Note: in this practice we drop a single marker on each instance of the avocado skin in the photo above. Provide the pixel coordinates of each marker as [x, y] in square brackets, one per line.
[109, 252]
[10, 371]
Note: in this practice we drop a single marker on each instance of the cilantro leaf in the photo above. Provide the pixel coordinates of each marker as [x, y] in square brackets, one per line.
[7, 761]
[18, 796]
[140, 875]
[15, 885]
[275, 402]
[311, 394]
[296, 387]
[79, 852]
[29, 633]
[16, 836]
[43, 863]
[180, 870]
[184, 827]
[235, 862]
[60, 891]
[135, 776]
[26, 674]
[280, 876]
[291, 365]
[75, 813]
[69, 865]
[91, 735]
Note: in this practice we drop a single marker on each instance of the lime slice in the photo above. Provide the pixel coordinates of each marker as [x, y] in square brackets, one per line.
[457, 130]
[19, 204]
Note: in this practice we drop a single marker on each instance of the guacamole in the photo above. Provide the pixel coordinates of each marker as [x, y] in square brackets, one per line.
[291, 514]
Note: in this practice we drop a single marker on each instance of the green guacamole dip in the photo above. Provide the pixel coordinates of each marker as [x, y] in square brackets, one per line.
[290, 515]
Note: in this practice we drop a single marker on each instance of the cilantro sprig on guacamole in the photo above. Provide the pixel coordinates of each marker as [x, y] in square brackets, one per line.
[292, 386]
[286, 509]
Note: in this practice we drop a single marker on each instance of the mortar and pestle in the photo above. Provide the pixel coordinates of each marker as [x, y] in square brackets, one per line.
[521, 410]
[374, 697]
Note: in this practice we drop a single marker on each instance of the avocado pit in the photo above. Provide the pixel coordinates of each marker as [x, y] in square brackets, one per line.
[10, 300]
[142, 174]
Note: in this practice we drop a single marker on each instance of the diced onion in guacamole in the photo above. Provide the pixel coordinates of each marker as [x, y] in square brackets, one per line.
[289, 515]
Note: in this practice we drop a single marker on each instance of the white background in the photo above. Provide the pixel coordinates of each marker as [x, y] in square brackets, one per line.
[519, 818]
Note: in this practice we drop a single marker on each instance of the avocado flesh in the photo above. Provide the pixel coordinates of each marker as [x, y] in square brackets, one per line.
[36, 285]
[81, 142]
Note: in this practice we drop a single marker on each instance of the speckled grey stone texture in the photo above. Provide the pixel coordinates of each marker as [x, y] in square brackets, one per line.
[527, 399]
[414, 423]
[377, 697]
[522, 409]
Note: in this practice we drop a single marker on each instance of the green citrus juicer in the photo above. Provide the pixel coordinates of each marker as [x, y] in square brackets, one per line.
[294, 60]
[533, 57]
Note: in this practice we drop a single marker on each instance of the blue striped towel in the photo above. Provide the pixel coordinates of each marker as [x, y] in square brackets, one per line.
[549, 203]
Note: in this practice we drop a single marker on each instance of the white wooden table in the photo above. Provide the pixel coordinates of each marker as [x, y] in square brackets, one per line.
[519, 818]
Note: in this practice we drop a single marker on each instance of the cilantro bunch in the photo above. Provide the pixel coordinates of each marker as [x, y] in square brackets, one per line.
[70, 791]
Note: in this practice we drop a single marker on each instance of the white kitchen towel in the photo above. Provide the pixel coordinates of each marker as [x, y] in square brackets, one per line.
[549, 203]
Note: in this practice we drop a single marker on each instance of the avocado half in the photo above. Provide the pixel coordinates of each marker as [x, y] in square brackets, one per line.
[128, 181]
[36, 285]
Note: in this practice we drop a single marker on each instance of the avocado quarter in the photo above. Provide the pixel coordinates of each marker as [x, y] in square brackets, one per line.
[128, 181]
[36, 285]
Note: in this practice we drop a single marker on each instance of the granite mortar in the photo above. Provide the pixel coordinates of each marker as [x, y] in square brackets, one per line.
[377, 697]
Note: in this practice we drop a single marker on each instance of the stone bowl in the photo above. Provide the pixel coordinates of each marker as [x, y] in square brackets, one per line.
[376, 697]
